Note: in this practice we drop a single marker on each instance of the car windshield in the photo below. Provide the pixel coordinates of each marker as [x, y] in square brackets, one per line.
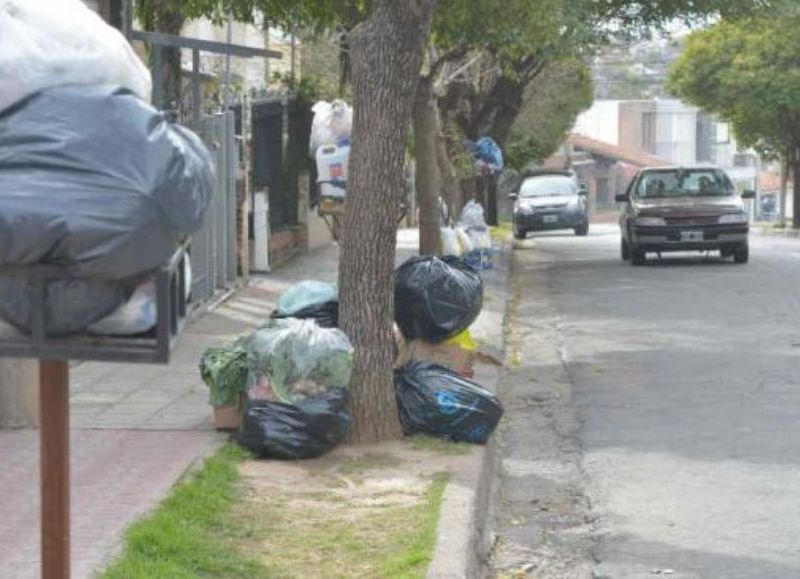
[551, 186]
[684, 183]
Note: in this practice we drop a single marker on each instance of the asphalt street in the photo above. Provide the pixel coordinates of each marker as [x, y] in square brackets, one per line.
[652, 413]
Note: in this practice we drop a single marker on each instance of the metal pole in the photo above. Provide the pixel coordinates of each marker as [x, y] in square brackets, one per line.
[196, 94]
[55, 486]
[226, 98]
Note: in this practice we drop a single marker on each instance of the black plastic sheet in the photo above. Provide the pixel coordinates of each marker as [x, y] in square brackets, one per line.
[435, 298]
[286, 431]
[433, 400]
[325, 314]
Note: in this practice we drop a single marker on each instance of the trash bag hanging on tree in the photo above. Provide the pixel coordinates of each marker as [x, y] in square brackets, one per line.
[436, 401]
[94, 178]
[307, 429]
[436, 298]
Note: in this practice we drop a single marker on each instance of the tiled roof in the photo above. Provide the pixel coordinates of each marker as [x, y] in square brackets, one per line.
[622, 154]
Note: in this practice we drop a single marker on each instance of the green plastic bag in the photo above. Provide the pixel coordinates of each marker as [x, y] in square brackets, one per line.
[224, 370]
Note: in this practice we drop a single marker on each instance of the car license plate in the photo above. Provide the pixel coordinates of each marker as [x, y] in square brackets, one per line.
[551, 218]
[691, 236]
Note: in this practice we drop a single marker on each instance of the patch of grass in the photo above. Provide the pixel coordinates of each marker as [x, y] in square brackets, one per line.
[501, 231]
[342, 541]
[188, 536]
[440, 445]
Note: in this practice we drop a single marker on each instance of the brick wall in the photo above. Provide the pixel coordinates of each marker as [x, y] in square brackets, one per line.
[286, 244]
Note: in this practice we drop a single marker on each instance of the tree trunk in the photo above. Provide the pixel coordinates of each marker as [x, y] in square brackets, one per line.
[796, 189]
[165, 62]
[386, 56]
[450, 186]
[784, 188]
[428, 179]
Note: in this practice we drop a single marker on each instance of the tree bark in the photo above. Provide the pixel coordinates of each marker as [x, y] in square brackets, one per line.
[450, 186]
[784, 188]
[796, 189]
[386, 55]
[165, 62]
[428, 178]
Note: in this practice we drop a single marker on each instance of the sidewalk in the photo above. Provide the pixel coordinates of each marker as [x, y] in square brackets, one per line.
[136, 430]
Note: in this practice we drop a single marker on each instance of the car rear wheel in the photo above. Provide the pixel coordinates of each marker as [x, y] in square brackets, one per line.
[742, 255]
[582, 230]
[624, 250]
[520, 233]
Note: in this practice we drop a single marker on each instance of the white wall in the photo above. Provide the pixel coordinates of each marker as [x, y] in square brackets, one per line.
[600, 122]
[676, 132]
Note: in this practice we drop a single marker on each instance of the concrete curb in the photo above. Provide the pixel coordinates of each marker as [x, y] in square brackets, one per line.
[464, 540]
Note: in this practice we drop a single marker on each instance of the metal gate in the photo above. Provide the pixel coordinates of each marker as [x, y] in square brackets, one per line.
[213, 249]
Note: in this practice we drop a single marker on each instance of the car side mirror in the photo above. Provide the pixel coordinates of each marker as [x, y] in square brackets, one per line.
[621, 198]
[749, 194]
[513, 196]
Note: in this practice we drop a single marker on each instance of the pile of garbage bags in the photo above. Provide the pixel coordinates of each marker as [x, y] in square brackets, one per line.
[470, 239]
[292, 375]
[436, 401]
[436, 301]
[487, 155]
[329, 145]
[91, 176]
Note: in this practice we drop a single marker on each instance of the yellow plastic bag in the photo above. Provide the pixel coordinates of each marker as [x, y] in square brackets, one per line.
[465, 341]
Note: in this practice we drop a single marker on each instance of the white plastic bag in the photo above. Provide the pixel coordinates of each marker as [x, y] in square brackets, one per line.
[139, 313]
[464, 241]
[472, 216]
[480, 238]
[332, 125]
[46, 43]
[450, 244]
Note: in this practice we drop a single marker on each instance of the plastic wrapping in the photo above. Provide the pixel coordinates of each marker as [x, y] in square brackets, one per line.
[436, 299]
[287, 431]
[436, 401]
[304, 294]
[332, 125]
[488, 155]
[93, 178]
[291, 360]
[472, 216]
[47, 43]
[326, 315]
[450, 243]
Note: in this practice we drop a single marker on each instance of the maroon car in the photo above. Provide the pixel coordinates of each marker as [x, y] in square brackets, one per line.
[683, 209]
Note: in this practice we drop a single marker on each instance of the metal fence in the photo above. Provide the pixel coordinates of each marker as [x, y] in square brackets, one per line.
[214, 248]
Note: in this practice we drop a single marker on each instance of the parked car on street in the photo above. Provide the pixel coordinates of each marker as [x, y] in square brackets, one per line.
[550, 200]
[683, 209]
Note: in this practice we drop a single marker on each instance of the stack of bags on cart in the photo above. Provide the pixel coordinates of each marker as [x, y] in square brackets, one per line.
[92, 178]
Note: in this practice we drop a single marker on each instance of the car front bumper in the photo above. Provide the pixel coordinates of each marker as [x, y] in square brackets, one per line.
[709, 238]
[550, 221]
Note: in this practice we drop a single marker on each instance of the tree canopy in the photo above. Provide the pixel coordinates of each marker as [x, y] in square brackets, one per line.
[748, 73]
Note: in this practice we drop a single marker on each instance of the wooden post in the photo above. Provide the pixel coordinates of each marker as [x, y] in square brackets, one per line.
[54, 444]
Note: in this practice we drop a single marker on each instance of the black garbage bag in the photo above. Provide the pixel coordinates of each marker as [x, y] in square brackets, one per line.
[433, 400]
[287, 431]
[93, 178]
[325, 314]
[436, 298]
